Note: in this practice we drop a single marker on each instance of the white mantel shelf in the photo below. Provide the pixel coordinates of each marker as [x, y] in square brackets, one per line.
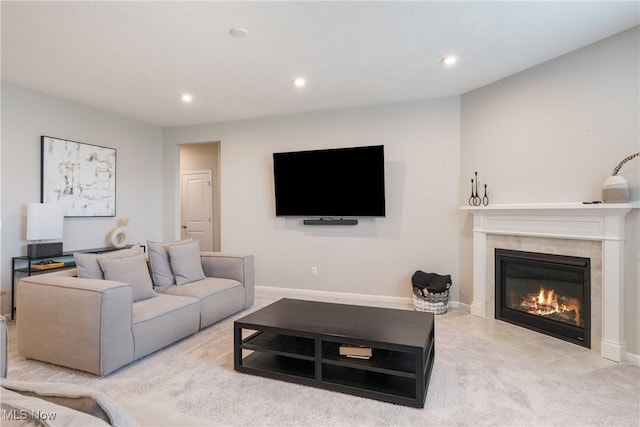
[603, 222]
[570, 207]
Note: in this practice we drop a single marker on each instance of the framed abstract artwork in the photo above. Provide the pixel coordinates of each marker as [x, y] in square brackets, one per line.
[80, 177]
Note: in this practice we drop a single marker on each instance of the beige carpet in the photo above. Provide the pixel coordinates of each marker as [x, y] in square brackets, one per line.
[486, 373]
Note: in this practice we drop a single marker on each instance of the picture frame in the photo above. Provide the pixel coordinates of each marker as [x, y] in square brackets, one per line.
[79, 176]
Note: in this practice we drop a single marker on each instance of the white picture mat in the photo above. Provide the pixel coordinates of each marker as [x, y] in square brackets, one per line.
[80, 177]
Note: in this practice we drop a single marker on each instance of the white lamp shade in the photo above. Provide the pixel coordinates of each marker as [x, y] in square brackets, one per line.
[44, 221]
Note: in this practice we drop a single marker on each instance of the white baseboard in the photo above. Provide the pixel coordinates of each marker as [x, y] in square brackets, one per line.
[457, 304]
[633, 359]
[351, 296]
[340, 295]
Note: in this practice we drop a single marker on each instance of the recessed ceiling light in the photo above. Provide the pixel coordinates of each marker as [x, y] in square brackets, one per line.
[187, 98]
[238, 32]
[449, 60]
[299, 82]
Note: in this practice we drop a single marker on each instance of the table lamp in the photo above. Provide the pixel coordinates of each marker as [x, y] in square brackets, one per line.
[44, 222]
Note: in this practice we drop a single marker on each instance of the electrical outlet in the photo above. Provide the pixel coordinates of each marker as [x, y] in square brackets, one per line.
[314, 270]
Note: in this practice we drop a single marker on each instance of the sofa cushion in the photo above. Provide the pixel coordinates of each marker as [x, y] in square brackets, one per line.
[161, 263]
[72, 405]
[4, 347]
[87, 264]
[132, 270]
[158, 322]
[185, 262]
[219, 298]
[202, 288]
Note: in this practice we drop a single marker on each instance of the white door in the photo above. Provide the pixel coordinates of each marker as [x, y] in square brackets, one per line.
[196, 212]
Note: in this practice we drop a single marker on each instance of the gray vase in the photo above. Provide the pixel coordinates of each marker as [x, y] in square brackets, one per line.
[615, 190]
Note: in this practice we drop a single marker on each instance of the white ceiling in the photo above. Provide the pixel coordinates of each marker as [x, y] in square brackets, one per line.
[137, 58]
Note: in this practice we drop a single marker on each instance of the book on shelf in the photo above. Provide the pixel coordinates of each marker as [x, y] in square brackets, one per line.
[356, 351]
[352, 356]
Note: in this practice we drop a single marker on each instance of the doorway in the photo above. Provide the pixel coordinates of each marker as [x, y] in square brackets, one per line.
[196, 208]
[200, 207]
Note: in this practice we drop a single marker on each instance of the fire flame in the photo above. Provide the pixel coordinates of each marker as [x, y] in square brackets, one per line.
[549, 300]
[546, 303]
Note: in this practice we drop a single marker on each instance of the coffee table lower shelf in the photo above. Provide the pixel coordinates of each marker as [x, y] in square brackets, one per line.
[275, 366]
[396, 374]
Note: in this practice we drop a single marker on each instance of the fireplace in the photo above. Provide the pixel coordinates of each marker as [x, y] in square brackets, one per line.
[595, 231]
[547, 293]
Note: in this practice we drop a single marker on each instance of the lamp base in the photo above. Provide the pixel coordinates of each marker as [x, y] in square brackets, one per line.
[43, 250]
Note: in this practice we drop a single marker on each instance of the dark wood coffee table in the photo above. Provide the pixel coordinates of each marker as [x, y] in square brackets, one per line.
[299, 341]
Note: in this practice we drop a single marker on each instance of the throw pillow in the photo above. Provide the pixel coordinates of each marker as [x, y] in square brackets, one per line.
[132, 270]
[186, 263]
[87, 264]
[160, 262]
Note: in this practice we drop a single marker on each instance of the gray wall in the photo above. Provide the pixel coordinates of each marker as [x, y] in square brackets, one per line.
[554, 133]
[379, 255]
[26, 115]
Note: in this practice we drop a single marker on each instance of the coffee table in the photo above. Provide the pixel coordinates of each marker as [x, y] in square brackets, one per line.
[300, 341]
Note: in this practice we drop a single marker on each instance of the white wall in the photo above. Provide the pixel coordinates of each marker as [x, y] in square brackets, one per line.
[26, 115]
[379, 255]
[554, 133]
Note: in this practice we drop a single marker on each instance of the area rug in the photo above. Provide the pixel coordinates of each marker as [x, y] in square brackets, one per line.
[486, 373]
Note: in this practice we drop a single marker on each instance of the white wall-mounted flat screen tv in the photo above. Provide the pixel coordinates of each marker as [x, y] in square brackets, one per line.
[335, 182]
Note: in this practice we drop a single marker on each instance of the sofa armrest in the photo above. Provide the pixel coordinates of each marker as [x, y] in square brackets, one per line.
[236, 267]
[4, 347]
[80, 323]
[73, 405]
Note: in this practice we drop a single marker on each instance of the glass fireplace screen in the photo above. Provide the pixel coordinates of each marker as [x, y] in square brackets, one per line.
[545, 292]
[529, 289]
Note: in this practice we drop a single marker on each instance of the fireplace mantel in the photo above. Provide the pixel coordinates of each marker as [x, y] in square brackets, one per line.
[556, 207]
[562, 220]
[601, 222]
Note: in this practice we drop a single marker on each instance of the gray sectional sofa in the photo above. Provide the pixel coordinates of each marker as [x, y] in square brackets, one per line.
[100, 324]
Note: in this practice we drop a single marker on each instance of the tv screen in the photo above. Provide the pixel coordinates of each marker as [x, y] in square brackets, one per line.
[330, 183]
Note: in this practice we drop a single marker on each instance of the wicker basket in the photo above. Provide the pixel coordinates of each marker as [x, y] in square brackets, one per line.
[436, 303]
